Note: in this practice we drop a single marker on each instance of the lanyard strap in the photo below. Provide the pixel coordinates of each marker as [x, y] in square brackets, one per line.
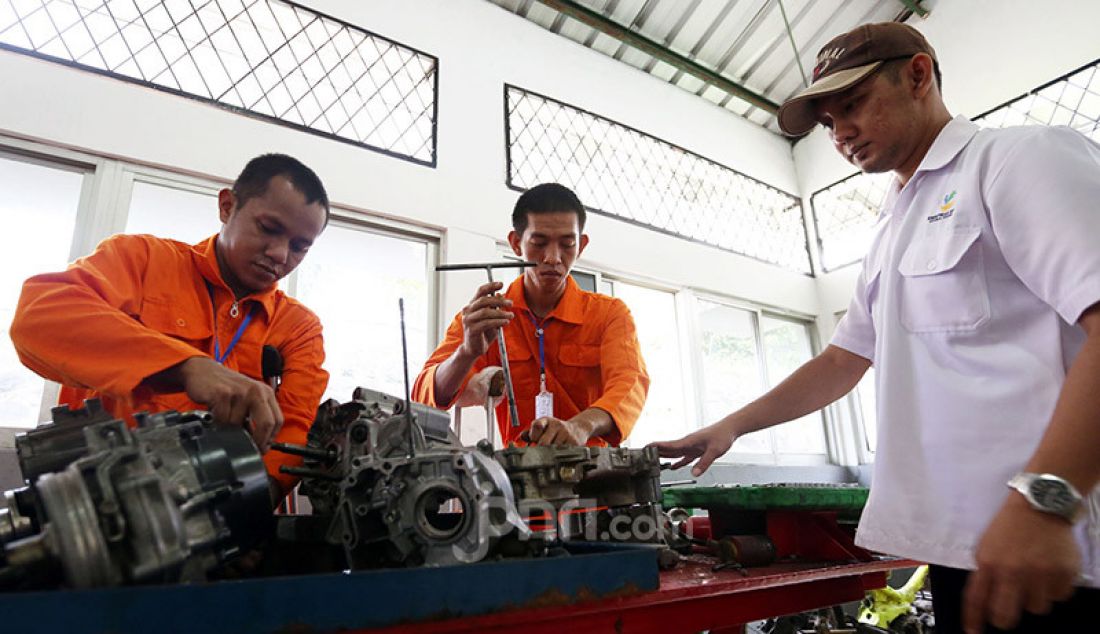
[218, 355]
[540, 333]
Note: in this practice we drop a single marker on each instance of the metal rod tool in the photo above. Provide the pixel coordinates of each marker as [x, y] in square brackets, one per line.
[489, 266]
[405, 364]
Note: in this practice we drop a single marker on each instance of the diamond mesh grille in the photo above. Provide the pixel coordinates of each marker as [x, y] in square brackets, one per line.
[845, 213]
[620, 172]
[269, 58]
[1073, 101]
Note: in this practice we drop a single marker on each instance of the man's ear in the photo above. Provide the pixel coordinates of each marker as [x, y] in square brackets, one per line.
[514, 241]
[227, 202]
[583, 244]
[920, 74]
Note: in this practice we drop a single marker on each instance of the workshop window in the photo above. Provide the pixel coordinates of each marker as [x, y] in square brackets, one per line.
[176, 211]
[654, 311]
[623, 173]
[1072, 100]
[845, 213]
[865, 400]
[861, 407]
[845, 216]
[731, 374]
[39, 208]
[787, 346]
[744, 353]
[352, 279]
[273, 60]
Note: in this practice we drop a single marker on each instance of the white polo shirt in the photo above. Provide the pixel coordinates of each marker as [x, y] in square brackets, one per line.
[967, 305]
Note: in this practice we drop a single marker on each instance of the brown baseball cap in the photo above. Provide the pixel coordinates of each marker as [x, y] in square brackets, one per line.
[845, 61]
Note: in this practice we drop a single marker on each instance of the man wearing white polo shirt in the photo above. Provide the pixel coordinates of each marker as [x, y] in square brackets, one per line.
[979, 306]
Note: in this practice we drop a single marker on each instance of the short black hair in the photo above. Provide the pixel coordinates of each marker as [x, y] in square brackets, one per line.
[257, 174]
[543, 199]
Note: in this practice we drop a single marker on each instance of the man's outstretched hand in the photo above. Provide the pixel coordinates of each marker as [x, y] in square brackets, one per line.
[707, 444]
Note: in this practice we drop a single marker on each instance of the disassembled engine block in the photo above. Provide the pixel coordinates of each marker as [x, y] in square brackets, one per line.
[107, 505]
[389, 497]
[596, 493]
[179, 495]
[395, 487]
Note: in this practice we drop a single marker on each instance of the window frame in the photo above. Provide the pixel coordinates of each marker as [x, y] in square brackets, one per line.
[691, 362]
[757, 311]
[104, 207]
[90, 166]
[213, 97]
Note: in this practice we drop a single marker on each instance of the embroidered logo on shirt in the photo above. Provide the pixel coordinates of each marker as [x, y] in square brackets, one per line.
[947, 209]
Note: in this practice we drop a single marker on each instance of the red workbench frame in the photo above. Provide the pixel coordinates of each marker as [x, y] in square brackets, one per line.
[692, 598]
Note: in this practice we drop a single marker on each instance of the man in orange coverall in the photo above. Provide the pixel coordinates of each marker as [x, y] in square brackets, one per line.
[145, 323]
[578, 374]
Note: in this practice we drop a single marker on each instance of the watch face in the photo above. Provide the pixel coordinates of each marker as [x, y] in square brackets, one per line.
[1053, 495]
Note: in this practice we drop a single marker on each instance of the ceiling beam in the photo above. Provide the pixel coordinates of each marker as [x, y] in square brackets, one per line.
[623, 34]
[914, 6]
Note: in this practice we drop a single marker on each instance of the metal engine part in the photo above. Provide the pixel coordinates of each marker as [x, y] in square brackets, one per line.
[589, 493]
[107, 505]
[394, 496]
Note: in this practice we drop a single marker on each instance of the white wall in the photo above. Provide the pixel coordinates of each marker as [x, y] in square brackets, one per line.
[990, 51]
[480, 47]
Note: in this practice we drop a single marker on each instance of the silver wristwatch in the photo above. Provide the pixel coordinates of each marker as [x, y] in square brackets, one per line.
[1048, 493]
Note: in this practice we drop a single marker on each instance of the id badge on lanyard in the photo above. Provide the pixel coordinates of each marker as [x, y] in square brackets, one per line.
[544, 401]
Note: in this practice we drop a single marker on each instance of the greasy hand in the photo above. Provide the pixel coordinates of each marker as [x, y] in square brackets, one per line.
[232, 397]
[1026, 560]
[707, 445]
[548, 431]
[481, 317]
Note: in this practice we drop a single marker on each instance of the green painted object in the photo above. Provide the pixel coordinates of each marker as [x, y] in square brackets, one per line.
[792, 497]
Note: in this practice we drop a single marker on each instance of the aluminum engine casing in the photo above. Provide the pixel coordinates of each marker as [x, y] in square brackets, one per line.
[108, 505]
[590, 493]
[388, 504]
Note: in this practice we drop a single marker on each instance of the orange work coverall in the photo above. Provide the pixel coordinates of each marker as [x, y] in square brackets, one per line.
[592, 360]
[139, 305]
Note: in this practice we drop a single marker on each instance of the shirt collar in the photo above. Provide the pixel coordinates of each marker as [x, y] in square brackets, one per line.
[570, 307]
[949, 142]
[205, 258]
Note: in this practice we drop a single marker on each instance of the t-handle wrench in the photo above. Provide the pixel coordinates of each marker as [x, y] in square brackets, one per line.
[489, 266]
